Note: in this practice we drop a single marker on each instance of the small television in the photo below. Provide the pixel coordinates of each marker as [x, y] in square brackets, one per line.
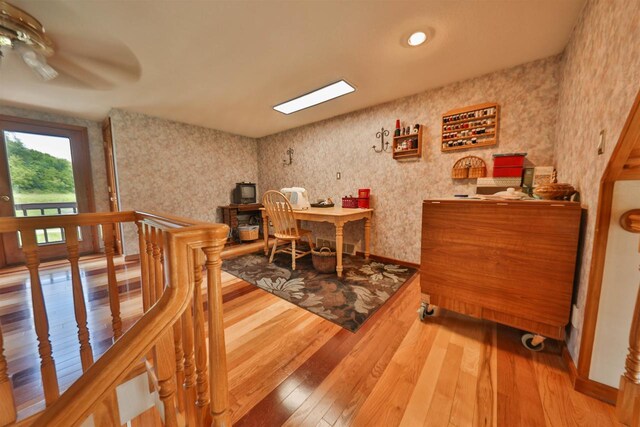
[244, 193]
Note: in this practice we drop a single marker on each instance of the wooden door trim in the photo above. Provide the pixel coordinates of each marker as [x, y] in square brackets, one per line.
[112, 182]
[54, 125]
[83, 176]
[629, 139]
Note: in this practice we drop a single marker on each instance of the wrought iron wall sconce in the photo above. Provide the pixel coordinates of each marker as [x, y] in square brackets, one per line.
[290, 154]
[384, 146]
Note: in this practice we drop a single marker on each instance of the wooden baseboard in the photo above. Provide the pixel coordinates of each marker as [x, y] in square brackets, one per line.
[134, 257]
[586, 386]
[568, 360]
[390, 260]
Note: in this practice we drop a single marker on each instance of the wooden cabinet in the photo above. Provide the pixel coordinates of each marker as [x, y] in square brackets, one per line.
[511, 262]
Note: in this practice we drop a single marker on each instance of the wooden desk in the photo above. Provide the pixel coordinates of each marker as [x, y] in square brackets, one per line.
[336, 215]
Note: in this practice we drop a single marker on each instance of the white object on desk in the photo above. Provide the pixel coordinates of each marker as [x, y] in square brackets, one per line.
[298, 197]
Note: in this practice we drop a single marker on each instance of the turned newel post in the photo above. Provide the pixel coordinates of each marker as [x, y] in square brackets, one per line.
[218, 382]
[200, 346]
[7, 401]
[79, 306]
[47, 364]
[628, 404]
[144, 267]
[108, 232]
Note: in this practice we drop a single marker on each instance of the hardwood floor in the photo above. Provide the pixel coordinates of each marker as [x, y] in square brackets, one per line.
[290, 367]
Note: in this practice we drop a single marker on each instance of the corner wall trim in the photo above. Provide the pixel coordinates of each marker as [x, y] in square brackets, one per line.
[586, 386]
[629, 137]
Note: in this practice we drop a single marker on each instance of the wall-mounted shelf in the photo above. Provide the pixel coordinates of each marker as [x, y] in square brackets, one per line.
[412, 143]
[461, 127]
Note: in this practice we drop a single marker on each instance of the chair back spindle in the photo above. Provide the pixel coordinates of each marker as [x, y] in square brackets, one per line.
[281, 214]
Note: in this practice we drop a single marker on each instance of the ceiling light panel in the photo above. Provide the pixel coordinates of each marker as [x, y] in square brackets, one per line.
[316, 97]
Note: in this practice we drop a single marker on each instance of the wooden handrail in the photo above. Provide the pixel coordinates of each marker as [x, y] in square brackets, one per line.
[11, 224]
[628, 403]
[630, 221]
[79, 401]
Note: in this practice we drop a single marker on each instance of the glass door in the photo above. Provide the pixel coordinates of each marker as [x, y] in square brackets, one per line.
[44, 170]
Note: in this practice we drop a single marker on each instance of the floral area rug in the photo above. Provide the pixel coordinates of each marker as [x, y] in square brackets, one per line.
[347, 301]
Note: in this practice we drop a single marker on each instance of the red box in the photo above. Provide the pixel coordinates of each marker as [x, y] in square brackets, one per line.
[349, 202]
[507, 172]
[509, 161]
[363, 202]
[363, 193]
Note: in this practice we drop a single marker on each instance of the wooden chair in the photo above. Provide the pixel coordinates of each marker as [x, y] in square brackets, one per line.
[285, 226]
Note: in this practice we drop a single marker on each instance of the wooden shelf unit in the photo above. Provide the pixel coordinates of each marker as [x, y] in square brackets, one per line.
[410, 152]
[490, 137]
[467, 147]
[469, 136]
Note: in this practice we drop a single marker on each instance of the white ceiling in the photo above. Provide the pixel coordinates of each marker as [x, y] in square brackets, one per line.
[224, 64]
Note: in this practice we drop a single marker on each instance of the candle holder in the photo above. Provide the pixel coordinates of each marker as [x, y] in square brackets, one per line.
[384, 146]
[290, 154]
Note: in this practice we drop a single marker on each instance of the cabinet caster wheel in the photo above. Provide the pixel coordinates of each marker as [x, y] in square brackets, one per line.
[533, 342]
[425, 311]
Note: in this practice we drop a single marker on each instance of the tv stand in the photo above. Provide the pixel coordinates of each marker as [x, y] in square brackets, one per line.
[230, 216]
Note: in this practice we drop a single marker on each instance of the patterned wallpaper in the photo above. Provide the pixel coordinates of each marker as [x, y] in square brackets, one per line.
[176, 168]
[600, 77]
[527, 95]
[96, 152]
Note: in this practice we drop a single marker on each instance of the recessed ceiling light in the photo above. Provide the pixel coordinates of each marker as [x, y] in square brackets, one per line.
[318, 96]
[417, 38]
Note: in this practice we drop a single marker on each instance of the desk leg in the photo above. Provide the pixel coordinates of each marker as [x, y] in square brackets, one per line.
[367, 237]
[265, 232]
[339, 226]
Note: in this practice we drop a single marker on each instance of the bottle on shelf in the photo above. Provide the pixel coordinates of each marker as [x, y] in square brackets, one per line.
[397, 132]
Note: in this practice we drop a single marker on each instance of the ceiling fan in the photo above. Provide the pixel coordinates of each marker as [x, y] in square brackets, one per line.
[26, 35]
[92, 59]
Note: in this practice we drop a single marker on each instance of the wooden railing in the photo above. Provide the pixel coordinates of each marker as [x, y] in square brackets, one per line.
[628, 402]
[170, 337]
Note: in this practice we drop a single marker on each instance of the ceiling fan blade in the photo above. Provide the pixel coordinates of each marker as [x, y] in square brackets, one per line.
[73, 74]
[98, 63]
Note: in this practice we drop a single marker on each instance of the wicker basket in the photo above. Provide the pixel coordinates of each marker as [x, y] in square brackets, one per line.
[459, 173]
[324, 260]
[477, 172]
[248, 232]
[554, 191]
[469, 167]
